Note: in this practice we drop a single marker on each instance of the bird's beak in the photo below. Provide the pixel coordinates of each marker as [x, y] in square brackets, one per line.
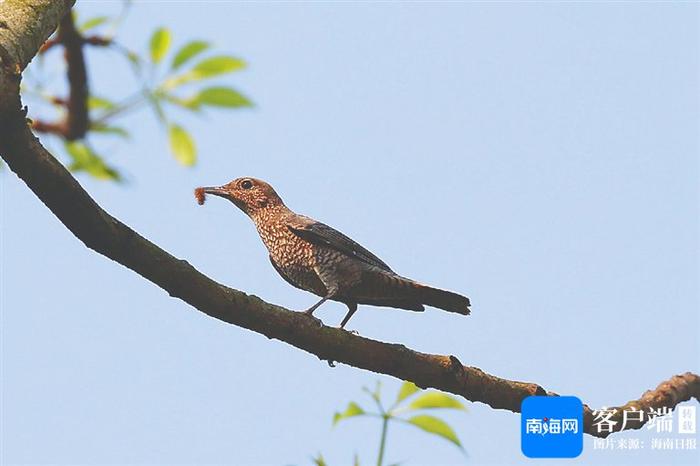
[220, 191]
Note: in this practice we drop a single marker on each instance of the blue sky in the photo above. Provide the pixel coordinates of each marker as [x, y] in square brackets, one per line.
[540, 158]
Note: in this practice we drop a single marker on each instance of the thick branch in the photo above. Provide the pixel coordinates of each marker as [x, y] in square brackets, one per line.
[52, 183]
[24, 26]
[61, 193]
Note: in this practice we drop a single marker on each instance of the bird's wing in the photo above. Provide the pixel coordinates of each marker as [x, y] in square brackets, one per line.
[319, 233]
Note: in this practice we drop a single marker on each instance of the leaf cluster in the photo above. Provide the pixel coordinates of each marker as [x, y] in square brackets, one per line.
[412, 406]
[169, 80]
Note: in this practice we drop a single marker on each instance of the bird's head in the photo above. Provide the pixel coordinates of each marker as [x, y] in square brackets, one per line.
[249, 194]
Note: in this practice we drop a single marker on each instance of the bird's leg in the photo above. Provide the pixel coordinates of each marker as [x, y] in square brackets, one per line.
[352, 307]
[331, 292]
[310, 311]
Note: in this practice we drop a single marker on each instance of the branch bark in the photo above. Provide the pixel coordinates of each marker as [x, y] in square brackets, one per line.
[62, 194]
[24, 26]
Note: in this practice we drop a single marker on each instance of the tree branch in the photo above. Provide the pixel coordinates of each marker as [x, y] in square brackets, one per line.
[75, 124]
[98, 41]
[24, 26]
[62, 194]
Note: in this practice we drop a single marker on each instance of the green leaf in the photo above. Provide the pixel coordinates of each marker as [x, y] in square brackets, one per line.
[217, 65]
[319, 461]
[182, 146]
[222, 97]
[190, 103]
[207, 68]
[407, 389]
[431, 400]
[352, 410]
[160, 43]
[104, 129]
[93, 23]
[95, 102]
[84, 159]
[435, 426]
[187, 52]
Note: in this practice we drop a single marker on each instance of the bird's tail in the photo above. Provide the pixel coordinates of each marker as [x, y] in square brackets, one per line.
[382, 288]
[442, 299]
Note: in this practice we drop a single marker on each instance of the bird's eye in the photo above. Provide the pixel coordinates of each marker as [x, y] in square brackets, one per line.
[246, 184]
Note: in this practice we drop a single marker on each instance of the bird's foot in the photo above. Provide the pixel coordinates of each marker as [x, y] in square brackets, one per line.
[331, 363]
[354, 332]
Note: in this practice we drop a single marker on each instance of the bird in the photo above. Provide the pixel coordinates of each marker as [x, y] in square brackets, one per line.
[319, 259]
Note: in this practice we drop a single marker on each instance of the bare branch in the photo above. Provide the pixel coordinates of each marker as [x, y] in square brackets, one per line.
[52, 183]
[75, 124]
[62, 194]
[668, 394]
[98, 41]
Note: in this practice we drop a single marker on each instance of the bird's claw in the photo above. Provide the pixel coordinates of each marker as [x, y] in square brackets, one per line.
[354, 332]
[331, 363]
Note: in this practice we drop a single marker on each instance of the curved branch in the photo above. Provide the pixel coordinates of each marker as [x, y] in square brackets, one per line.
[62, 194]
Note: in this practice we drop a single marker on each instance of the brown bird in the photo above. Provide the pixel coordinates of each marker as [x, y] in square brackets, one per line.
[317, 258]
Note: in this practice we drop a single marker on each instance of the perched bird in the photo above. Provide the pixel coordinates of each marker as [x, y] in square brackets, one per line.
[317, 258]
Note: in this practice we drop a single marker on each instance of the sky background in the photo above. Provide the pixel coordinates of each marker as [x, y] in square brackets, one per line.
[540, 158]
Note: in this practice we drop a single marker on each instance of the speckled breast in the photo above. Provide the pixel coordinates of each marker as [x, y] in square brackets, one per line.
[293, 256]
